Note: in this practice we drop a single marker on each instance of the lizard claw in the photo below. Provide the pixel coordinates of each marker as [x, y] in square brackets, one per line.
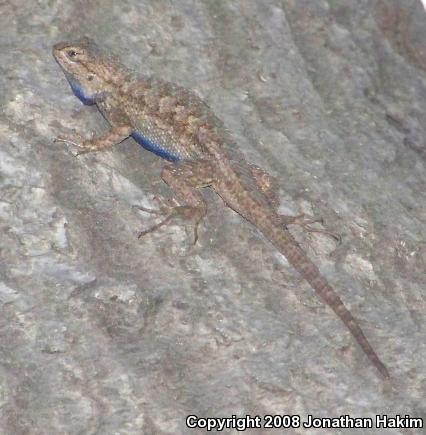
[306, 223]
[164, 209]
[69, 141]
[188, 213]
[77, 141]
[147, 210]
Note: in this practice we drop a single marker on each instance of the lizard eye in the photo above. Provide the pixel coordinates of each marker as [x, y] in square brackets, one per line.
[71, 53]
[90, 78]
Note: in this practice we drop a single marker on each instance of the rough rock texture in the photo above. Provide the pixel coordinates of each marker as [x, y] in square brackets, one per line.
[102, 333]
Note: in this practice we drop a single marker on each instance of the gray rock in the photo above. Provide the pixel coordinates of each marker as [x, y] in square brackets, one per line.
[102, 333]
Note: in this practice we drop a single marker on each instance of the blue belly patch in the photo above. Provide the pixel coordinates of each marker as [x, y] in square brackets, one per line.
[155, 147]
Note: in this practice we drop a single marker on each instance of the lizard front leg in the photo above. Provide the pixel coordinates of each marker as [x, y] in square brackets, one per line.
[185, 179]
[112, 137]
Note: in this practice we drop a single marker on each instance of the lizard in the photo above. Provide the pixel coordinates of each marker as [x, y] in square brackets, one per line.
[177, 125]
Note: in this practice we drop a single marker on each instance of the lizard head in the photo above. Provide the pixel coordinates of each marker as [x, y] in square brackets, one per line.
[89, 72]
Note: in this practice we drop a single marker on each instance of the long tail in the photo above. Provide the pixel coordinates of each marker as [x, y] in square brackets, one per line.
[288, 246]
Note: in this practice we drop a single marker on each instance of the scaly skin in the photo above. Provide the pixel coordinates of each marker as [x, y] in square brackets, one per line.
[178, 126]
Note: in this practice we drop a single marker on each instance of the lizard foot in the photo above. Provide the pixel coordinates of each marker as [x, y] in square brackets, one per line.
[305, 222]
[193, 214]
[84, 146]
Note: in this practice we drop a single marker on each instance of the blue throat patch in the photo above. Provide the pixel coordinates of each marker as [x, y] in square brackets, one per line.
[79, 91]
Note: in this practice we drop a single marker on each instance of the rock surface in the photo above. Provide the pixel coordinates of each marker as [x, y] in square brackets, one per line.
[102, 333]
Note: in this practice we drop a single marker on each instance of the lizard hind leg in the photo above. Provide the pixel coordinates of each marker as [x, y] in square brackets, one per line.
[305, 222]
[269, 187]
[185, 179]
